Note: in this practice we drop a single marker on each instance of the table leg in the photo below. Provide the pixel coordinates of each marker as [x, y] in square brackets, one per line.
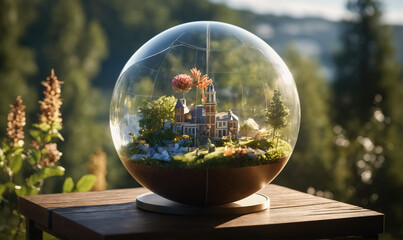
[33, 233]
[370, 237]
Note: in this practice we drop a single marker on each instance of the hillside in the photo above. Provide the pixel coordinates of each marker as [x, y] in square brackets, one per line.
[314, 37]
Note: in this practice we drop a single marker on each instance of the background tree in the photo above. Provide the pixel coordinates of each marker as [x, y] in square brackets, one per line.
[366, 66]
[16, 61]
[75, 47]
[313, 158]
[277, 114]
[72, 37]
[368, 96]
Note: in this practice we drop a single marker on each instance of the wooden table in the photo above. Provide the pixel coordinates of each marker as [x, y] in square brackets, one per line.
[113, 214]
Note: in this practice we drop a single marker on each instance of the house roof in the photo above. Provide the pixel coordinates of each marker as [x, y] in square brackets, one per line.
[201, 114]
[224, 116]
[181, 103]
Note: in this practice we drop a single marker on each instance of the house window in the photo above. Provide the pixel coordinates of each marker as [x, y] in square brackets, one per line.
[207, 108]
[219, 124]
[224, 124]
[219, 133]
[224, 132]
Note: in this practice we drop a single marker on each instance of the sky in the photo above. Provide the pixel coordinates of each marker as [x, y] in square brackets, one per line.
[332, 10]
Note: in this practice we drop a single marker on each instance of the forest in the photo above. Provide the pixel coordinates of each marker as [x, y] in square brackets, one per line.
[351, 131]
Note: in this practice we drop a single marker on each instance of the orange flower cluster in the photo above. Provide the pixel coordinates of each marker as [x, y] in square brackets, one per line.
[52, 155]
[16, 122]
[200, 82]
[239, 150]
[228, 151]
[50, 106]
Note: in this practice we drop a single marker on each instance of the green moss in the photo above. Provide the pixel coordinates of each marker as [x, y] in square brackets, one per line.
[216, 159]
[260, 144]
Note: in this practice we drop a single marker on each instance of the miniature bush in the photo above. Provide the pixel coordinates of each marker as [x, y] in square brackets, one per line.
[154, 114]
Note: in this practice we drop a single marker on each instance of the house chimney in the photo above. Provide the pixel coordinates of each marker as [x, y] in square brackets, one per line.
[230, 114]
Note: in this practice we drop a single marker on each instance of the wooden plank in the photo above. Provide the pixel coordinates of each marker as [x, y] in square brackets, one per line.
[38, 207]
[292, 214]
[113, 215]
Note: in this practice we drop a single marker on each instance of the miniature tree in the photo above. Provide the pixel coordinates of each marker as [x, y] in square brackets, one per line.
[155, 114]
[277, 114]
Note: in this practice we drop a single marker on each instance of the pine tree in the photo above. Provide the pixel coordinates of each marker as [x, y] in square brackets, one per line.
[366, 66]
[368, 98]
[313, 159]
[277, 114]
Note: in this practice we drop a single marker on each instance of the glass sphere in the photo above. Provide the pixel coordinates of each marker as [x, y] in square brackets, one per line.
[205, 113]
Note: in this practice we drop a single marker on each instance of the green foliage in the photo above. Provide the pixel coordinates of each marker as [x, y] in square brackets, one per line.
[11, 159]
[313, 159]
[154, 114]
[42, 156]
[277, 113]
[34, 182]
[44, 173]
[72, 37]
[261, 144]
[216, 158]
[75, 48]
[220, 142]
[246, 127]
[17, 61]
[368, 97]
[85, 183]
[68, 185]
[366, 66]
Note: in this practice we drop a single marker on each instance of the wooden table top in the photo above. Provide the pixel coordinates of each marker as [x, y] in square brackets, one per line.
[112, 214]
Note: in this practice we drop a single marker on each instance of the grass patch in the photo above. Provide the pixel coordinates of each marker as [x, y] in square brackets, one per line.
[217, 159]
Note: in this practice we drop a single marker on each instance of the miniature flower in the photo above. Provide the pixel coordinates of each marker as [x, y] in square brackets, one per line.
[182, 83]
[228, 151]
[241, 151]
[200, 82]
[16, 122]
[196, 75]
[50, 106]
[203, 84]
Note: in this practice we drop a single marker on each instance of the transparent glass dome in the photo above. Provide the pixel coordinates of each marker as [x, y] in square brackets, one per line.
[204, 97]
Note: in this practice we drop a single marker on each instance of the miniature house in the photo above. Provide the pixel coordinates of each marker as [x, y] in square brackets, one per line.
[204, 120]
